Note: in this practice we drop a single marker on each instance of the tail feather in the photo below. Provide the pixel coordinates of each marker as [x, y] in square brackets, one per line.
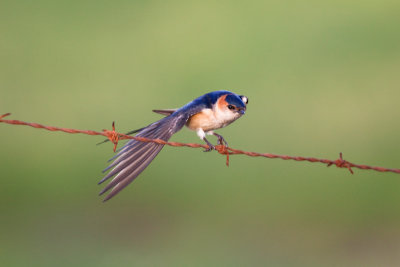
[165, 112]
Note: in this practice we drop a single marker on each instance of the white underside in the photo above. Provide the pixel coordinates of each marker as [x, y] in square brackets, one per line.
[201, 133]
[217, 119]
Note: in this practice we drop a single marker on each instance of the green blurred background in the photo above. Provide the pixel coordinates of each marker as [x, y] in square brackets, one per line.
[322, 78]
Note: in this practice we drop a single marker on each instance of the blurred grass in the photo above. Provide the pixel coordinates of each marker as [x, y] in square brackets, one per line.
[322, 78]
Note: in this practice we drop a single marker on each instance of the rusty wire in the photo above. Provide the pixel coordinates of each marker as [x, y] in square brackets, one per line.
[114, 137]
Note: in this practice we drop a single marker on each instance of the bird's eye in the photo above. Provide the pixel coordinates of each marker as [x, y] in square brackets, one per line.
[231, 107]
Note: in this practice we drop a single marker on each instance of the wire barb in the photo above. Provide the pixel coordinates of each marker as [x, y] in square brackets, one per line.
[114, 137]
[341, 163]
[5, 115]
[223, 150]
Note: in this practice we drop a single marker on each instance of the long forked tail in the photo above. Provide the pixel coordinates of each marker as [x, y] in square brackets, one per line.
[135, 156]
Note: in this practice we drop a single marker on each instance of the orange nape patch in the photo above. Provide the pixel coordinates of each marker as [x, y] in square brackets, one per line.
[221, 102]
[203, 120]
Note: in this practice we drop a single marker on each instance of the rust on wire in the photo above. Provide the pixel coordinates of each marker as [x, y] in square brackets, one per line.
[114, 137]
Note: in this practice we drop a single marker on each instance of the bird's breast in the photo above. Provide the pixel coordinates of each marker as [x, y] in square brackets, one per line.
[208, 120]
[203, 120]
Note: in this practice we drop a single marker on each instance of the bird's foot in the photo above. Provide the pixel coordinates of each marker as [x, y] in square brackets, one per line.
[210, 146]
[221, 140]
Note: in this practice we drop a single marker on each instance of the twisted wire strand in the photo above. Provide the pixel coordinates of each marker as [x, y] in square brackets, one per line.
[114, 137]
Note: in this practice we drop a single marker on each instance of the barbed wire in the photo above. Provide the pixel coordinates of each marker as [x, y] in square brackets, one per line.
[114, 137]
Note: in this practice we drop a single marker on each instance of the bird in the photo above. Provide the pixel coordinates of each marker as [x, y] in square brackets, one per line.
[203, 115]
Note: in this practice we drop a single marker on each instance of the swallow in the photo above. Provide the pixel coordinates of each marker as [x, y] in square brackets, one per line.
[203, 115]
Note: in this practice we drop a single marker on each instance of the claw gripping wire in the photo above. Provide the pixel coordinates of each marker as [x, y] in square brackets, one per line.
[114, 137]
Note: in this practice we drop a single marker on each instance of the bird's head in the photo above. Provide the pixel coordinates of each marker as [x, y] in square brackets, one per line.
[230, 107]
[236, 103]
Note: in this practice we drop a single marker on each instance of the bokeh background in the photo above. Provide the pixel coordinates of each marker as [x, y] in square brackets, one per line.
[321, 77]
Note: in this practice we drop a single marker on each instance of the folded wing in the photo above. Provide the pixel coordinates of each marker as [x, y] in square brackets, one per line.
[135, 156]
